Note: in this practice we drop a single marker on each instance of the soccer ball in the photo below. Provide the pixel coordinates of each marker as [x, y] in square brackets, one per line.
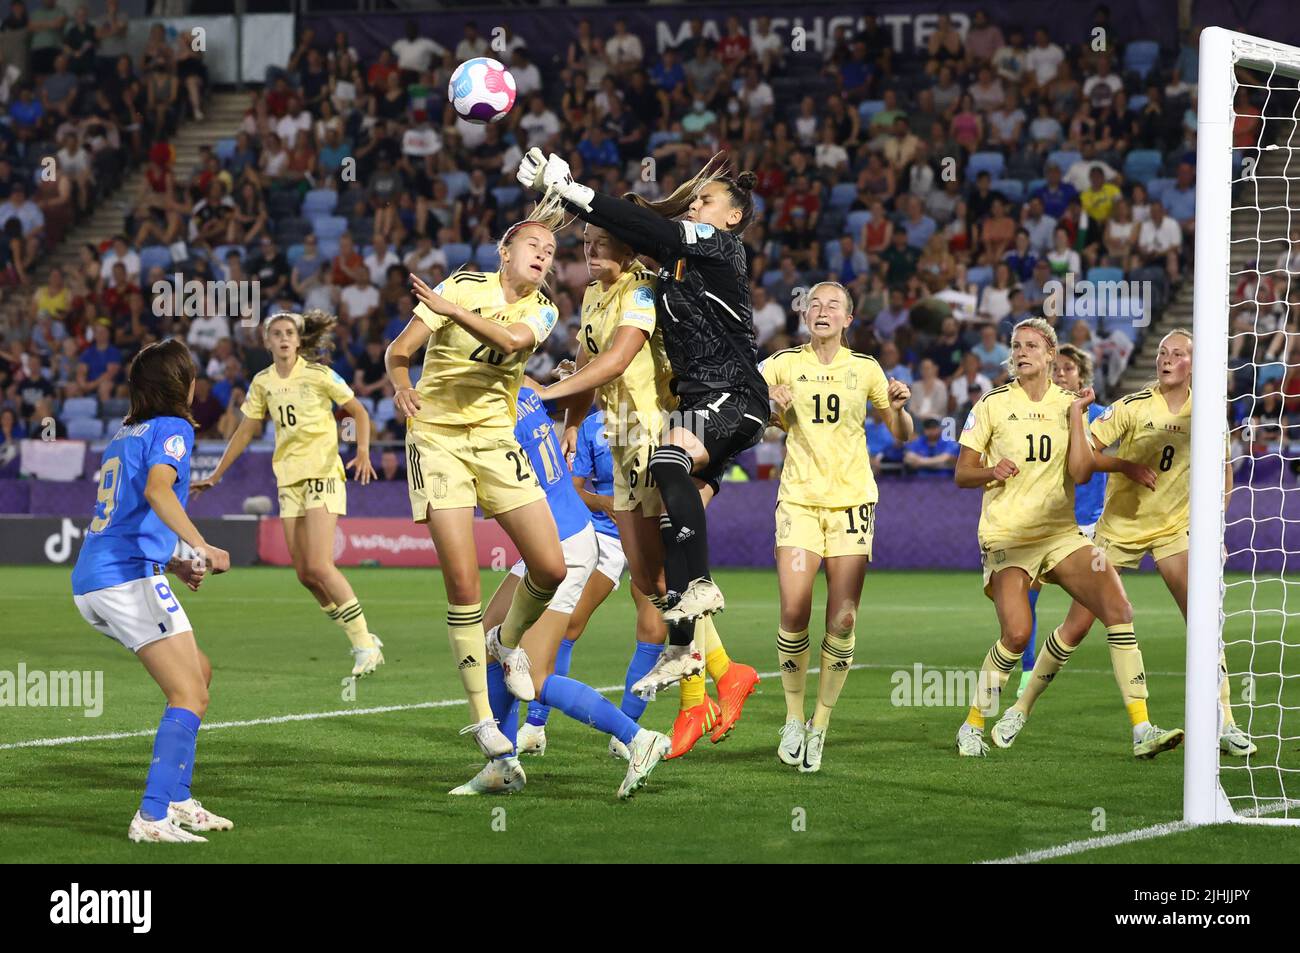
[481, 90]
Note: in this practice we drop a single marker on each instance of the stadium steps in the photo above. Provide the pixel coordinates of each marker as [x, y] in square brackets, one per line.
[1272, 196]
[221, 119]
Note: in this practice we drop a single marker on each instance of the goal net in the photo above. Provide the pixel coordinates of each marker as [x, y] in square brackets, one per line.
[1244, 562]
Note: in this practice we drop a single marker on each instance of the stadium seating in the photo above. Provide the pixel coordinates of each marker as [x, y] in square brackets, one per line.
[78, 408]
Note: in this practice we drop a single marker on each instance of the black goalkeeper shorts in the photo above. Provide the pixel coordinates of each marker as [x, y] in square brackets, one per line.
[726, 422]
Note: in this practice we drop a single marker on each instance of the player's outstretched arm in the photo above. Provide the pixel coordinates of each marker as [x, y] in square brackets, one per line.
[397, 362]
[601, 369]
[160, 494]
[1103, 462]
[362, 469]
[505, 339]
[239, 440]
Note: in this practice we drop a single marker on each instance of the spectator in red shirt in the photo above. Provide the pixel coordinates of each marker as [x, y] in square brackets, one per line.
[277, 100]
[377, 76]
[733, 47]
[348, 265]
[796, 224]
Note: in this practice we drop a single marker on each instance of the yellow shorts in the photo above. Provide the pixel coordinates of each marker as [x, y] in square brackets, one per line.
[330, 492]
[1036, 558]
[453, 467]
[634, 486]
[825, 530]
[1124, 556]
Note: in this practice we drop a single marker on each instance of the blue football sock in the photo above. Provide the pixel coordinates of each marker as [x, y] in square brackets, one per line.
[505, 707]
[537, 712]
[583, 703]
[173, 755]
[1027, 660]
[643, 659]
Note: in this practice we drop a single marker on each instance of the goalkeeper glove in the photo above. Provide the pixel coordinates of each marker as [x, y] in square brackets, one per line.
[530, 169]
[556, 176]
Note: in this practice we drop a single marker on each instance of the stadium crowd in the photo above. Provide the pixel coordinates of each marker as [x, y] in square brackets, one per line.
[953, 191]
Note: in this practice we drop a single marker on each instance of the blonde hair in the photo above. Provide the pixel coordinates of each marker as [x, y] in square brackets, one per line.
[1082, 360]
[549, 213]
[1034, 324]
[315, 332]
[676, 204]
[848, 298]
[1183, 332]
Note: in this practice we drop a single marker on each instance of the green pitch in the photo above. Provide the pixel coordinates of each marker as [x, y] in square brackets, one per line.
[372, 787]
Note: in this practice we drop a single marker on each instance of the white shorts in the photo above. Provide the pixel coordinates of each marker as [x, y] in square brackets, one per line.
[613, 561]
[135, 613]
[580, 555]
[1090, 530]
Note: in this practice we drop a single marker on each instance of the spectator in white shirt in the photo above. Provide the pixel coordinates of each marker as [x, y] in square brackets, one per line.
[1160, 240]
[206, 330]
[527, 78]
[769, 317]
[756, 94]
[623, 49]
[424, 258]
[380, 259]
[472, 45]
[1100, 89]
[929, 394]
[969, 384]
[414, 52]
[1044, 58]
[539, 124]
[1080, 173]
[120, 252]
[766, 45]
[421, 140]
[358, 301]
[294, 121]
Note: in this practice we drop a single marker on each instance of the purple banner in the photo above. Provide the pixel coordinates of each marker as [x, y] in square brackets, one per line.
[909, 23]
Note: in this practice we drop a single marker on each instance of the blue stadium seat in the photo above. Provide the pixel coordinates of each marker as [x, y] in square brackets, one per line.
[1157, 187]
[1013, 190]
[319, 202]
[1062, 159]
[1142, 164]
[329, 226]
[855, 222]
[1137, 103]
[221, 252]
[1034, 185]
[760, 206]
[1141, 57]
[152, 256]
[79, 407]
[85, 428]
[991, 162]
[224, 149]
[979, 276]
[328, 247]
[385, 411]
[507, 195]
[294, 254]
[487, 257]
[771, 277]
[457, 254]
[1101, 273]
[843, 194]
[457, 183]
[868, 108]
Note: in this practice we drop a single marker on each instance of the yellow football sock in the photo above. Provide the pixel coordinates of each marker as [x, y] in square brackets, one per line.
[526, 607]
[994, 672]
[468, 649]
[692, 691]
[1050, 661]
[353, 622]
[716, 660]
[792, 657]
[1130, 673]
[1225, 693]
[837, 659]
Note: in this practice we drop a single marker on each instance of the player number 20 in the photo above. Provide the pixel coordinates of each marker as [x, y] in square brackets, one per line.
[1044, 448]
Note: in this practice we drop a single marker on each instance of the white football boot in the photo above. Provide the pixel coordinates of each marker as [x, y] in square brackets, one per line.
[531, 739]
[617, 749]
[142, 831]
[196, 817]
[674, 663]
[503, 776]
[490, 740]
[1236, 743]
[790, 748]
[1152, 740]
[970, 742]
[647, 749]
[812, 752]
[702, 597]
[514, 664]
[366, 661]
[1008, 727]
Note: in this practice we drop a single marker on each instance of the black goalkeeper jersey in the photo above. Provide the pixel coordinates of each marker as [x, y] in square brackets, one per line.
[702, 302]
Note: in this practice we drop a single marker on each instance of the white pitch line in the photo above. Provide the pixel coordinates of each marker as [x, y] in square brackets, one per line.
[1128, 837]
[443, 703]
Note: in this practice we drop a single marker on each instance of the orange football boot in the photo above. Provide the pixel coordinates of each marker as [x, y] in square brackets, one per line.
[691, 724]
[733, 688]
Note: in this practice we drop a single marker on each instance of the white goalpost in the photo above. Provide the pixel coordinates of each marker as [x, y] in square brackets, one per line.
[1244, 206]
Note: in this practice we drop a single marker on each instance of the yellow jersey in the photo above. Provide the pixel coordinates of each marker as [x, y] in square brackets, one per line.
[826, 461]
[465, 382]
[1148, 432]
[302, 408]
[635, 401]
[1037, 502]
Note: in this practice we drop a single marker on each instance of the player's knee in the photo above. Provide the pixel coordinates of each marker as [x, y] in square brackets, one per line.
[1121, 612]
[1015, 637]
[549, 572]
[796, 620]
[841, 622]
[307, 576]
[462, 588]
[192, 698]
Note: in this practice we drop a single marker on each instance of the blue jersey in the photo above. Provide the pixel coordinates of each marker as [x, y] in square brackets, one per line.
[594, 462]
[536, 434]
[1091, 496]
[126, 539]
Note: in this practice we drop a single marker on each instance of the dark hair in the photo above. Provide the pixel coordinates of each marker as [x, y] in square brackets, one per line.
[740, 187]
[159, 378]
